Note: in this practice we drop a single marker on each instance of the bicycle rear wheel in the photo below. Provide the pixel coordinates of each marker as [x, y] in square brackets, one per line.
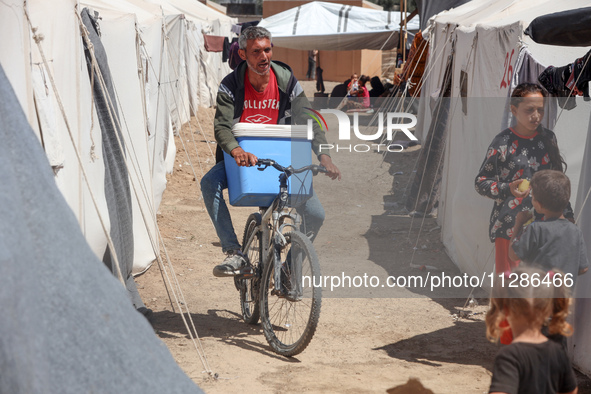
[249, 287]
[290, 316]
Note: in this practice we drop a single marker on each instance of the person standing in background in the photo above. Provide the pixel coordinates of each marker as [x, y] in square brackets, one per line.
[312, 56]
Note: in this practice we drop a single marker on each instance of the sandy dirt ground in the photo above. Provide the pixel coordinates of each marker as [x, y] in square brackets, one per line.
[368, 340]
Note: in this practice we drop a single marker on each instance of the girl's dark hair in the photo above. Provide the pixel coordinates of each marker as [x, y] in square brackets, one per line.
[525, 89]
[376, 83]
[363, 80]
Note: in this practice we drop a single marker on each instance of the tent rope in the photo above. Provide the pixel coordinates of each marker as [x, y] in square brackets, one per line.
[583, 205]
[429, 148]
[570, 93]
[171, 58]
[474, 288]
[195, 338]
[164, 38]
[196, 53]
[399, 104]
[474, 41]
[181, 134]
[38, 38]
[345, 99]
[93, 156]
[157, 76]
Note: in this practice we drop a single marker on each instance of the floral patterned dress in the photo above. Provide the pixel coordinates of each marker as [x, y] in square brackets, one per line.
[510, 156]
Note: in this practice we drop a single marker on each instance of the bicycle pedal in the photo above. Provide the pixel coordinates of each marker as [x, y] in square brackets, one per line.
[244, 273]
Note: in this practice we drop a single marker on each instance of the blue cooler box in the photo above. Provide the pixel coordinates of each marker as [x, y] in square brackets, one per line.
[287, 145]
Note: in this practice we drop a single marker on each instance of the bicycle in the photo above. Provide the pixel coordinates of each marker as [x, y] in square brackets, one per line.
[272, 283]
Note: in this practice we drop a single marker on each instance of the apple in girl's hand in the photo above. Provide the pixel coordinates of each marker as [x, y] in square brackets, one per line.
[523, 186]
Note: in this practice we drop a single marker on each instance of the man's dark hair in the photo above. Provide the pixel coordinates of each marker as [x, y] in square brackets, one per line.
[551, 188]
[252, 33]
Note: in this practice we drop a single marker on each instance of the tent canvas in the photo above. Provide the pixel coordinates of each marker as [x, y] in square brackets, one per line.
[335, 27]
[428, 8]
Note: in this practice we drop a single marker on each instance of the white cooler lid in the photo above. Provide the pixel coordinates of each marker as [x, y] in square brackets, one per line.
[269, 130]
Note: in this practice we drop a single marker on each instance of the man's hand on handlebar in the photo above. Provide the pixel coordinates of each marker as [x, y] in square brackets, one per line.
[243, 159]
[332, 171]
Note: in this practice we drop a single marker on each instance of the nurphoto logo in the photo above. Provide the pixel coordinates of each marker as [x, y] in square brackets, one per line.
[395, 121]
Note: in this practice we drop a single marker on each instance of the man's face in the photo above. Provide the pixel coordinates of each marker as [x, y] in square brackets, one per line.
[258, 55]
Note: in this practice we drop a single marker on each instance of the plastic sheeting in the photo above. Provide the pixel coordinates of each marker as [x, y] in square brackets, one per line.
[336, 27]
[69, 325]
[567, 28]
[116, 183]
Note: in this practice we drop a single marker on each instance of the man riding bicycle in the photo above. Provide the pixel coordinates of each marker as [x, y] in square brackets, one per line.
[258, 91]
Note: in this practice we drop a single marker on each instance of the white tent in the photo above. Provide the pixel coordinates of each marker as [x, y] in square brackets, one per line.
[429, 8]
[160, 74]
[484, 40]
[336, 27]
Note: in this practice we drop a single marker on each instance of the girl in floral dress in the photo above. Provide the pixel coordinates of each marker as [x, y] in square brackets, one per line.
[515, 155]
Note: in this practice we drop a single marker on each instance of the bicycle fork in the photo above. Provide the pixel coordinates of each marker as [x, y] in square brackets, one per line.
[287, 271]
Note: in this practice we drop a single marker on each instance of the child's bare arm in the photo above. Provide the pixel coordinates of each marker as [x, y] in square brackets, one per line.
[520, 220]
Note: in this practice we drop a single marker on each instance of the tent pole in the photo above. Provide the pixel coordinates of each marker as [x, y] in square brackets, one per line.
[400, 44]
[405, 32]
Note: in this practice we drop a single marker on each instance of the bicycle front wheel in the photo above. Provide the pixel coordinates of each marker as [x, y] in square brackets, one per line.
[290, 311]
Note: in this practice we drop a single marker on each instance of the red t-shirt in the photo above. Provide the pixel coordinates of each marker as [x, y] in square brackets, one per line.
[261, 107]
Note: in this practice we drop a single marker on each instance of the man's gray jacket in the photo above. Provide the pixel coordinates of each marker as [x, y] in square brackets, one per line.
[230, 102]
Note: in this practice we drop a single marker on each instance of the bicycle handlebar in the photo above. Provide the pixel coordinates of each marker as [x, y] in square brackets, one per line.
[289, 170]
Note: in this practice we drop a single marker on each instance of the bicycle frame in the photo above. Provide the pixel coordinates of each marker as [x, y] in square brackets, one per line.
[282, 252]
[272, 225]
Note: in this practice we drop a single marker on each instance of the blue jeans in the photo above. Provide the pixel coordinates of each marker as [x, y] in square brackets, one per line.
[212, 185]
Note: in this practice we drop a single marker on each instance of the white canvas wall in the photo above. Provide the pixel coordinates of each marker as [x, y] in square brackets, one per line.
[582, 318]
